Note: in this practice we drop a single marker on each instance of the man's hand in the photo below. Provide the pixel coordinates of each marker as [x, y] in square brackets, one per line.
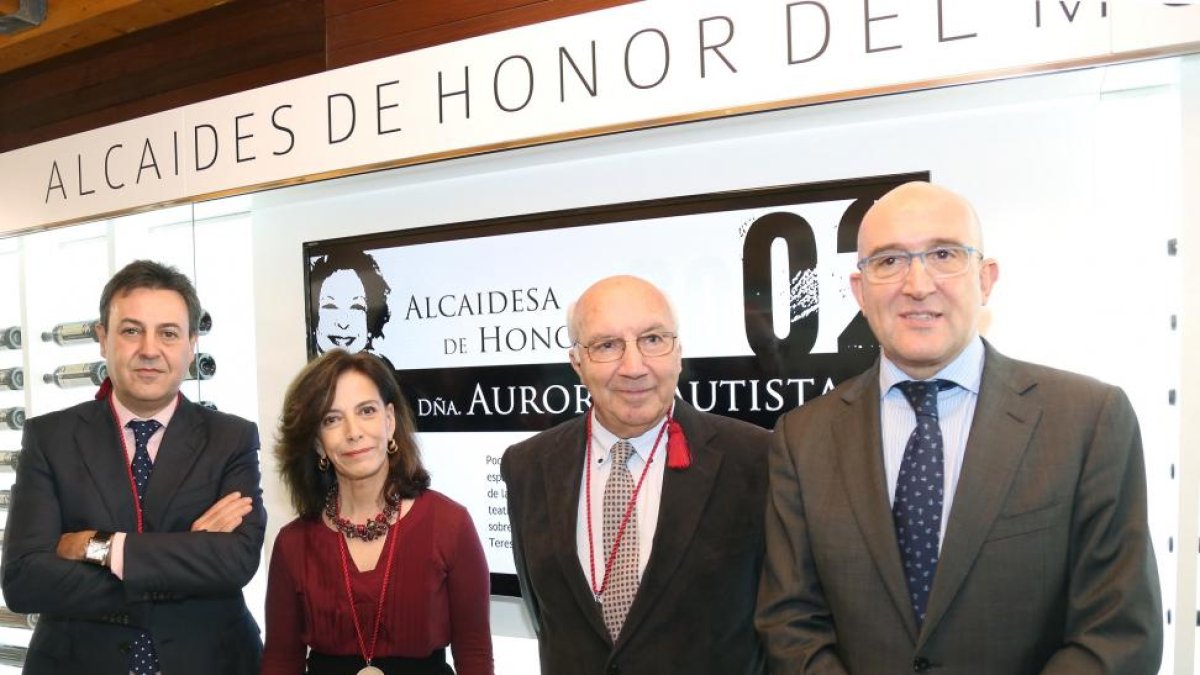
[72, 545]
[224, 516]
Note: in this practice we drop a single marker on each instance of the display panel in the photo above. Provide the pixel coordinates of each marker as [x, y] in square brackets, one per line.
[760, 280]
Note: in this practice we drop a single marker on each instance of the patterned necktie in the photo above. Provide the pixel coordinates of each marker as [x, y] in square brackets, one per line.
[623, 580]
[143, 659]
[917, 509]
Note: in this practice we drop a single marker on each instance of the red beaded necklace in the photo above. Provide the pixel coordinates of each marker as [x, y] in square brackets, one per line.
[375, 527]
[343, 550]
[612, 555]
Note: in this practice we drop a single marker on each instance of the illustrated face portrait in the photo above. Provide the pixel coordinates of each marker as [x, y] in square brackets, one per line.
[342, 313]
[147, 347]
[922, 321]
[632, 393]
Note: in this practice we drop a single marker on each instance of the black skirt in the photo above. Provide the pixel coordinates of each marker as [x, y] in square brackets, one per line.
[326, 664]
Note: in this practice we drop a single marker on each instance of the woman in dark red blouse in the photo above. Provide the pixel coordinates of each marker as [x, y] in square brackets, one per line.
[379, 574]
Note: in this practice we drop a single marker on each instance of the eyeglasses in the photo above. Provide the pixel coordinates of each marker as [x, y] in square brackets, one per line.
[940, 261]
[606, 350]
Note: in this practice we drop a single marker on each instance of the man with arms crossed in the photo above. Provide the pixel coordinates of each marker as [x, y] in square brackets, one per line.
[137, 518]
[637, 528]
[952, 510]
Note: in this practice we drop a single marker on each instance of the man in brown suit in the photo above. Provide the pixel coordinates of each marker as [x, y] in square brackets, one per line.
[953, 510]
[673, 591]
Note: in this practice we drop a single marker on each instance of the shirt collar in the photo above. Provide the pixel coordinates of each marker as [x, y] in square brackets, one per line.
[966, 370]
[603, 440]
[125, 415]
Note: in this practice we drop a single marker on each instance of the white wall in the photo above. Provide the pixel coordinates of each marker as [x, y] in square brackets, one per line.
[1188, 652]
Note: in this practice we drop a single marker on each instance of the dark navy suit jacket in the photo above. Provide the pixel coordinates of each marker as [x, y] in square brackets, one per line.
[185, 587]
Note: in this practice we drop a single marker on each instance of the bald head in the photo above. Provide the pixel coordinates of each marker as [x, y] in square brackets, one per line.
[631, 392]
[914, 203]
[923, 317]
[615, 289]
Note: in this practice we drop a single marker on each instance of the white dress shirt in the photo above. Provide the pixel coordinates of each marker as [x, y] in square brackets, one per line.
[648, 498]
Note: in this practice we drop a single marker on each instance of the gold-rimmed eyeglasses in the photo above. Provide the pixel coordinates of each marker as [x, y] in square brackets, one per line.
[604, 350]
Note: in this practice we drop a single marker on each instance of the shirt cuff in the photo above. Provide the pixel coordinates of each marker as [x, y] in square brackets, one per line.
[116, 556]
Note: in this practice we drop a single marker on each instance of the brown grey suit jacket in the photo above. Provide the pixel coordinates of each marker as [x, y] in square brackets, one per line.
[1046, 564]
[694, 609]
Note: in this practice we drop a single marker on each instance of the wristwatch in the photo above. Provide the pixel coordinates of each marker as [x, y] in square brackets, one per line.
[98, 549]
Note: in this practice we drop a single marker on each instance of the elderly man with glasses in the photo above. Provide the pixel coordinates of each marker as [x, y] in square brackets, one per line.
[638, 528]
[953, 510]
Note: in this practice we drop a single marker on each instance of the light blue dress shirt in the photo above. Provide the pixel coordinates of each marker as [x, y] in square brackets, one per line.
[956, 409]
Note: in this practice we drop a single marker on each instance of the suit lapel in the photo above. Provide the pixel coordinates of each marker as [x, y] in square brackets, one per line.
[1000, 432]
[100, 448]
[684, 494]
[859, 455]
[563, 466]
[182, 442]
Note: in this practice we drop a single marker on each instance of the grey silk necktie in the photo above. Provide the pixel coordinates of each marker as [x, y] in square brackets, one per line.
[623, 579]
[917, 509]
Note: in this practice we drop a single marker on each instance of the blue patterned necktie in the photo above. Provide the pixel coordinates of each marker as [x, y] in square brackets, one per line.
[917, 509]
[143, 659]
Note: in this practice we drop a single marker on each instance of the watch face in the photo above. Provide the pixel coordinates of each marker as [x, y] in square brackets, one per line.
[96, 550]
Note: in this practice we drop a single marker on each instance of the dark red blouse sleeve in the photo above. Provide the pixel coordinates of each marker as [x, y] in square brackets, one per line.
[469, 587]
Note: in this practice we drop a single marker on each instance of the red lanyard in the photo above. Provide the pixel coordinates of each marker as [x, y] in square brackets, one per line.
[126, 458]
[343, 549]
[612, 555]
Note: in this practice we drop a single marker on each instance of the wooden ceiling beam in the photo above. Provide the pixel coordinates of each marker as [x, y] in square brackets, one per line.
[72, 25]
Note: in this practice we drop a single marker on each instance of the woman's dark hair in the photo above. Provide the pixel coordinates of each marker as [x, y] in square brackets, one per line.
[375, 287]
[308, 398]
